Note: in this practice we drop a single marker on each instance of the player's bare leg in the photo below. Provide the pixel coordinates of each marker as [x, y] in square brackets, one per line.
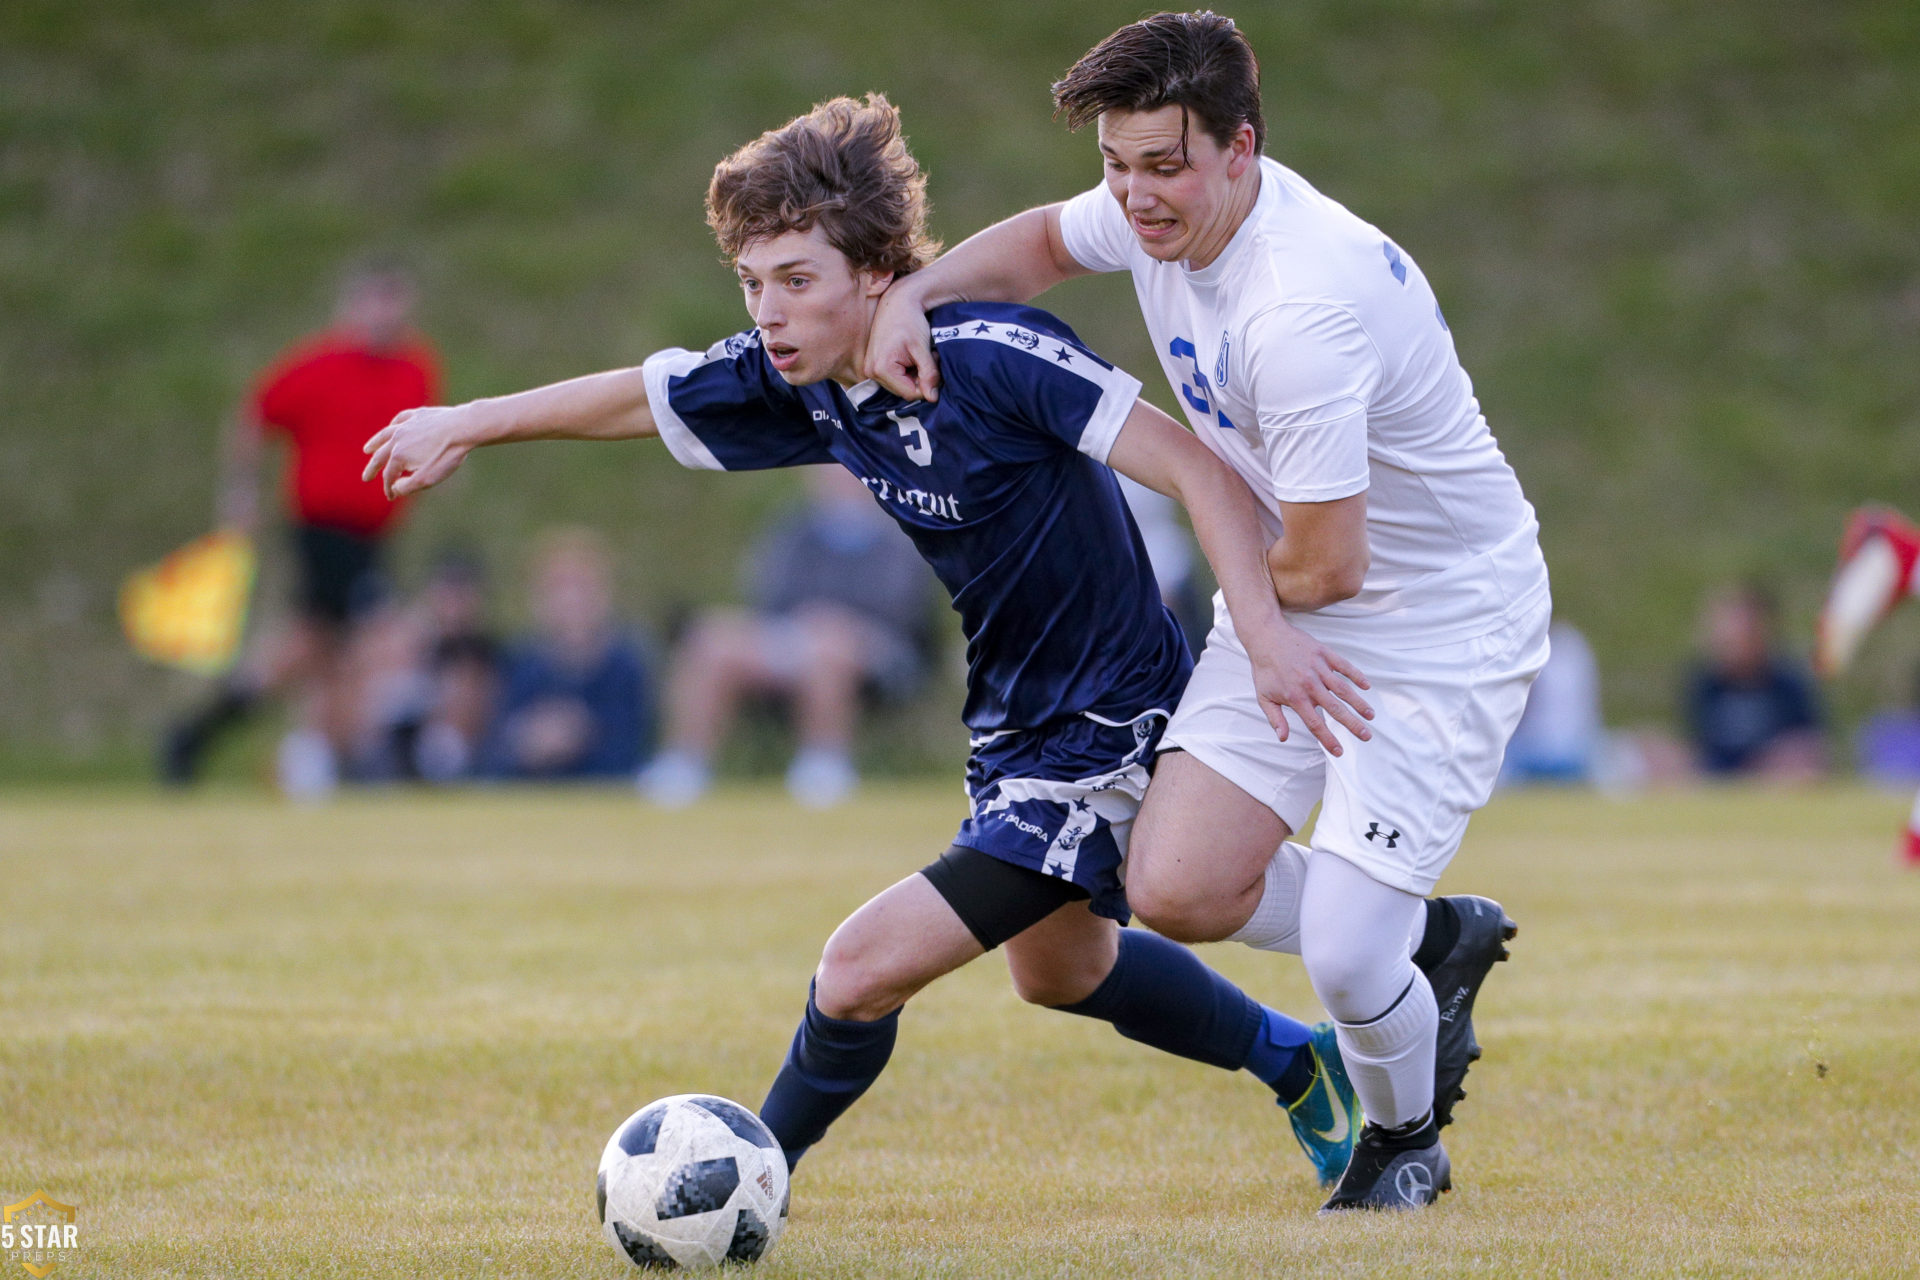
[1151, 990]
[889, 949]
[1202, 869]
[884, 953]
[1198, 867]
[1063, 959]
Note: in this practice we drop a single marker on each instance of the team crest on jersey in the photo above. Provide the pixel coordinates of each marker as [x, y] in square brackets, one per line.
[1220, 365]
[741, 341]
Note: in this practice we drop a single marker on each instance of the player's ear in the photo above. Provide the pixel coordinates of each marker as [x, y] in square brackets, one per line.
[1241, 151]
[874, 283]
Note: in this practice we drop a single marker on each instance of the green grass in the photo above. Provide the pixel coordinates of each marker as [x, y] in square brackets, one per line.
[388, 1038]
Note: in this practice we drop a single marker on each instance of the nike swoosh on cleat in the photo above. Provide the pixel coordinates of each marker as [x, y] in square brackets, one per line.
[1340, 1127]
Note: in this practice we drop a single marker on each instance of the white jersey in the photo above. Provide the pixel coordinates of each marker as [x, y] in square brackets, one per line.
[1312, 357]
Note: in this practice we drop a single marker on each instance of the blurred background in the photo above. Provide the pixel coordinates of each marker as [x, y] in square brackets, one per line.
[1675, 242]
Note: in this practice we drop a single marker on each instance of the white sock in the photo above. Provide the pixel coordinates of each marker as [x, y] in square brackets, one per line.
[1355, 950]
[1390, 1059]
[1275, 923]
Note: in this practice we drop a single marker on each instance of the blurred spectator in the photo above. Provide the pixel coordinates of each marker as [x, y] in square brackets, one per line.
[839, 605]
[1749, 708]
[1170, 550]
[1888, 745]
[428, 678]
[574, 699]
[326, 397]
[1560, 735]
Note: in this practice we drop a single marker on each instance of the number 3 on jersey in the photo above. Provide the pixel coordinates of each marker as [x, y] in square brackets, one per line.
[919, 446]
[1196, 393]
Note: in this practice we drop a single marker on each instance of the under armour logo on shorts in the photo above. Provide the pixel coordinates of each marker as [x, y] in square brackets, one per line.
[1375, 833]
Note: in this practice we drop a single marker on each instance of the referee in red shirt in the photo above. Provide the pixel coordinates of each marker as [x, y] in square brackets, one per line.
[325, 397]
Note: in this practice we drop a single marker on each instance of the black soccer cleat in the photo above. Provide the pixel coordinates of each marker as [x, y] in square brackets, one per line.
[1485, 931]
[1386, 1172]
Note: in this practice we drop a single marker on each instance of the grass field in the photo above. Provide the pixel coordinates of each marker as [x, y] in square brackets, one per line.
[388, 1038]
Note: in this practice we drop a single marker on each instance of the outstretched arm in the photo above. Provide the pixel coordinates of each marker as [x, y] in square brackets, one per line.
[1010, 261]
[422, 447]
[1290, 667]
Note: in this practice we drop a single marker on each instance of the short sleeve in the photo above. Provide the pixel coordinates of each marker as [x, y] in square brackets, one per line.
[1094, 229]
[1314, 372]
[1031, 374]
[725, 410]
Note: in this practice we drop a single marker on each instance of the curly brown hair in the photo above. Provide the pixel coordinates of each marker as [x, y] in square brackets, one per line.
[843, 166]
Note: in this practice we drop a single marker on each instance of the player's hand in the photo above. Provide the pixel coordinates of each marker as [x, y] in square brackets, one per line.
[419, 448]
[900, 347]
[1316, 683]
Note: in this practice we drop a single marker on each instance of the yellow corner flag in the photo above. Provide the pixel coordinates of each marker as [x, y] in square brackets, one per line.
[189, 610]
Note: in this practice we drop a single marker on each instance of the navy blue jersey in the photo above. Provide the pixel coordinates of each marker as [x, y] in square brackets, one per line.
[1001, 484]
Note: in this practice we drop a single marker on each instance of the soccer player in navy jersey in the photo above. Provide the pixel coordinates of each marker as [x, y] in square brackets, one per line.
[1073, 663]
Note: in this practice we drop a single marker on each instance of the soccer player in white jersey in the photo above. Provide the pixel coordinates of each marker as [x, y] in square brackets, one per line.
[1308, 351]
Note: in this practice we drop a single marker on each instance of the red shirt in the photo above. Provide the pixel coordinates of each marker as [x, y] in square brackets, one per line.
[329, 396]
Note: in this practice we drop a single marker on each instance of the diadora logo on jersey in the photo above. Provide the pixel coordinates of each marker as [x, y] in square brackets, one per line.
[944, 505]
[1033, 829]
[1375, 833]
[1220, 365]
[821, 415]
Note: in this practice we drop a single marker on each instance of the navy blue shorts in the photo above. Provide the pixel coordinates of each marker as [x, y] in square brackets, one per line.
[1060, 800]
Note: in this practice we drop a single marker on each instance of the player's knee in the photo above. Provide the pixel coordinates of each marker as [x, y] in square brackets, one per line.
[1171, 909]
[1057, 981]
[1354, 984]
[854, 982]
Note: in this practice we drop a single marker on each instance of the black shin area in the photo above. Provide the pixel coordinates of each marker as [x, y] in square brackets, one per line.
[1442, 931]
[997, 900]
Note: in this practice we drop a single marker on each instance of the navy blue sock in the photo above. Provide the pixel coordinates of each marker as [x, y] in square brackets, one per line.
[829, 1065]
[1276, 1056]
[1161, 994]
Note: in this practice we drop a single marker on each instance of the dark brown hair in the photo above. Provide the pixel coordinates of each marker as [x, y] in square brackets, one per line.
[843, 166]
[1196, 61]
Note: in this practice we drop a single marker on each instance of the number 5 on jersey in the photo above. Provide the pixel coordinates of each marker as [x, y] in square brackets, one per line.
[919, 446]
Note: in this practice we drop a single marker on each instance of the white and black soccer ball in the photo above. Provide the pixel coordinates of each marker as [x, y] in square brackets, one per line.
[692, 1181]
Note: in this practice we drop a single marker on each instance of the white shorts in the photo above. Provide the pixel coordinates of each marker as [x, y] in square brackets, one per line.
[1396, 806]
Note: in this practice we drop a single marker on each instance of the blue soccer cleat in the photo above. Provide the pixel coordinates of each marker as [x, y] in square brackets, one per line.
[1326, 1119]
